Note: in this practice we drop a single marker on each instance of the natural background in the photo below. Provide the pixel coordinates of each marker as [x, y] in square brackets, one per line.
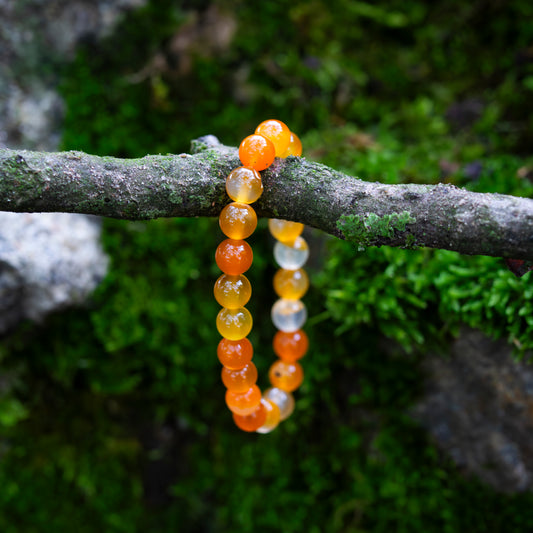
[412, 417]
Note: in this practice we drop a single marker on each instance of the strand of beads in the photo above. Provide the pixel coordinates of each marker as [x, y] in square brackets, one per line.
[251, 410]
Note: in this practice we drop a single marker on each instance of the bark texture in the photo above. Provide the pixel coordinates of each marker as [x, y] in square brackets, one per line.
[185, 185]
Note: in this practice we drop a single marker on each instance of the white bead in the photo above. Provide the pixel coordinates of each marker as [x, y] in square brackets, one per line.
[291, 257]
[284, 400]
[289, 315]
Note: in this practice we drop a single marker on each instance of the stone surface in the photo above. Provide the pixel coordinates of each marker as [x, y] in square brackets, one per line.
[48, 261]
[478, 406]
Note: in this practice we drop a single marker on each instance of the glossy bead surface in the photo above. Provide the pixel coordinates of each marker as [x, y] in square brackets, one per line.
[295, 146]
[272, 416]
[253, 421]
[291, 284]
[235, 354]
[283, 399]
[244, 185]
[286, 376]
[243, 403]
[290, 346]
[285, 231]
[291, 257]
[237, 220]
[257, 152]
[288, 315]
[240, 379]
[234, 257]
[232, 292]
[234, 324]
[277, 132]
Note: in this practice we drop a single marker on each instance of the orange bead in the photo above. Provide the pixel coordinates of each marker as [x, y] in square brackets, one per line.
[273, 416]
[290, 346]
[244, 185]
[232, 291]
[284, 230]
[257, 152]
[243, 403]
[237, 221]
[234, 257]
[241, 379]
[295, 146]
[291, 284]
[234, 324]
[235, 354]
[277, 132]
[253, 421]
[286, 376]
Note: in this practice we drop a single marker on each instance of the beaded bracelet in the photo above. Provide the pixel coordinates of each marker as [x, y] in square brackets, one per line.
[253, 411]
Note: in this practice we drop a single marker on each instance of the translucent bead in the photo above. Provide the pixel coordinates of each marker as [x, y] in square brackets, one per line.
[253, 421]
[283, 399]
[291, 257]
[232, 292]
[291, 284]
[234, 324]
[243, 403]
[295, 146]
[289, 315]
[244, 185]
[237, 221]
[272, 416]
[286, 376]
[235, 354]
[277, 132]
[290, 346]
[257, 152]
[234, 257]
[285, 231]
[241, 379]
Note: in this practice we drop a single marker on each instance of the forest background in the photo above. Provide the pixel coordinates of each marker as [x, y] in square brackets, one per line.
[114, 419]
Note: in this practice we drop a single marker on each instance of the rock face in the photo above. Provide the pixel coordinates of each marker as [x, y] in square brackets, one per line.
[47, 261]
[478, 406]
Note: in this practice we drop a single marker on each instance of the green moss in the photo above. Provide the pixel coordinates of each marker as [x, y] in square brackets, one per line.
[370, 229]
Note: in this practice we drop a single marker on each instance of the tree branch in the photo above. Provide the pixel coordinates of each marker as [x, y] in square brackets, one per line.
[184, 185]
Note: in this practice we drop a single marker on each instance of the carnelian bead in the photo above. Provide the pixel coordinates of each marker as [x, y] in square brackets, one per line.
[283, 399]
[234, 324]
[284, 230]
[253, 421]
[257, 152]
[244, 185]
[277, 132]
[235, 354]
[232, 291]
[272, 416]
[237, 221]
[241, 379]
[295, 146]
[291, 284]
[290, 346]
[286, 376]
[243, 403]
[234, 257]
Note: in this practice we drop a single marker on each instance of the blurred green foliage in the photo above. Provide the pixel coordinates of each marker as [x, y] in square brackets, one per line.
[113, 416]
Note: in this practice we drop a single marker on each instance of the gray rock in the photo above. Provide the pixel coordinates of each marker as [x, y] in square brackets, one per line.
[48, 261]
[478, 405]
